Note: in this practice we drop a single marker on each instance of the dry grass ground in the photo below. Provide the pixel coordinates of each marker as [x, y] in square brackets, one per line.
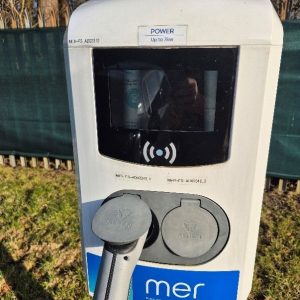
[39, 236]
[40, 247]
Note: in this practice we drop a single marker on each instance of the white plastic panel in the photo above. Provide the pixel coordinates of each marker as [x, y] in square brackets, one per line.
[116, 23]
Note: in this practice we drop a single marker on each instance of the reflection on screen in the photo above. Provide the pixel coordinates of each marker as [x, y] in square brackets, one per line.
[156, 99]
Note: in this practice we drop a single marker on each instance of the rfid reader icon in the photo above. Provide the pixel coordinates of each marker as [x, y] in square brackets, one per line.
[150, 152]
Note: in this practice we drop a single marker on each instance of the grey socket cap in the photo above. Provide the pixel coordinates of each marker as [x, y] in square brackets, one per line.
[189, 230]
[122, 220]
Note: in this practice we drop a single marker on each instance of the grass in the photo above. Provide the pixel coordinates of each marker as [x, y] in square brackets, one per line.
[39, 236]
[277, 270]
[40, 244]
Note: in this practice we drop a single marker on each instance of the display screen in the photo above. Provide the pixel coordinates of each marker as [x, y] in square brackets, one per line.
[160, 97]
[149, 98]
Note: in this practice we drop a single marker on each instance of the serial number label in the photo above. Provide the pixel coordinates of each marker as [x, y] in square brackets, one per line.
[132, 177]
[84, 41]
[187, 180]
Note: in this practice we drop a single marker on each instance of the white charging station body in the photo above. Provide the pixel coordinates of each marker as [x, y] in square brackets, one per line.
[236, 184]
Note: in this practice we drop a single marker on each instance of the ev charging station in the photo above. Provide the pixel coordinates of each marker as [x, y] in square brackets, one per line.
[171, 108]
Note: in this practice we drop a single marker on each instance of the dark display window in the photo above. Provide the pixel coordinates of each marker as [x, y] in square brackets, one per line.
[165, 106]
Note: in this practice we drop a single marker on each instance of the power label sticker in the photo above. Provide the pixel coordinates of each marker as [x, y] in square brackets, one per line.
[150, 283]
[162, 35]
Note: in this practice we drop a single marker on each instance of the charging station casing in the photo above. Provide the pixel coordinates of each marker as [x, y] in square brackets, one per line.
[234, 181]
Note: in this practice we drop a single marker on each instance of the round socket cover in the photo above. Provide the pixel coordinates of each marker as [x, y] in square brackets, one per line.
[189, 230]
[122, 220]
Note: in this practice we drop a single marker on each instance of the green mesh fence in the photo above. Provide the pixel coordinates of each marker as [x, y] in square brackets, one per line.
[34, 116]
[284, 156]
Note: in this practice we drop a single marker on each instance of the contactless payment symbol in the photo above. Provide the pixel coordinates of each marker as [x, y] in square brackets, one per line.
[150, 152]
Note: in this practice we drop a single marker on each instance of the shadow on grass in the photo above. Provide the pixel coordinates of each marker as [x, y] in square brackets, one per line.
[22, 282]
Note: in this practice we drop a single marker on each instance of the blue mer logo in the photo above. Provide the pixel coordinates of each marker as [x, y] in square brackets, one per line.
[178, 290]
[149, 283]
